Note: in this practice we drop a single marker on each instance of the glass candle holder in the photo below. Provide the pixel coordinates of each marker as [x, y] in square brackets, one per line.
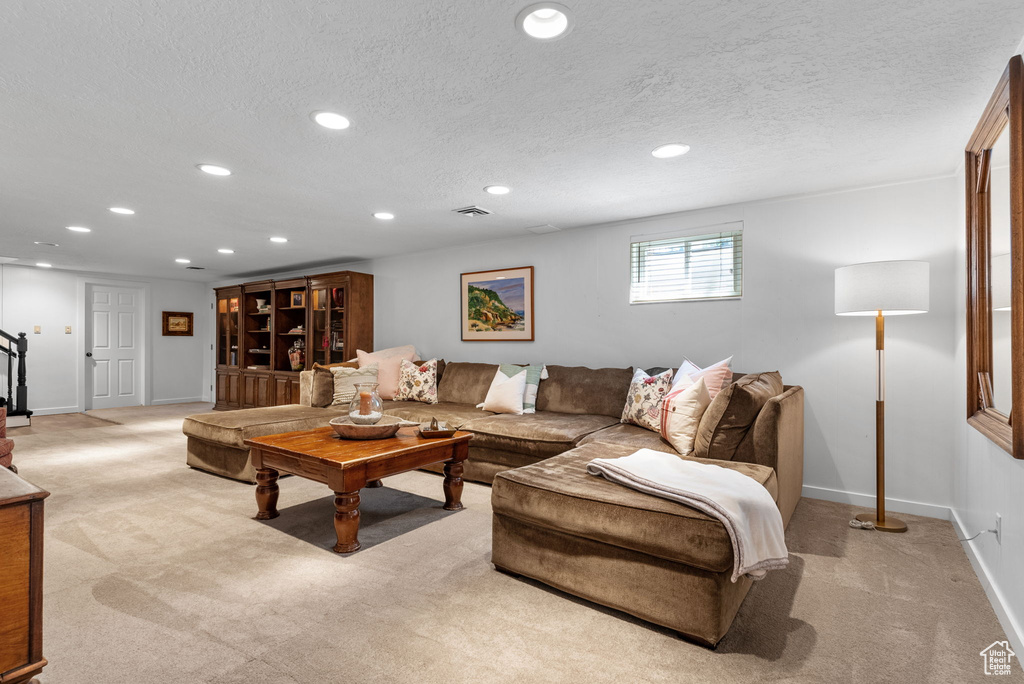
[366, 407]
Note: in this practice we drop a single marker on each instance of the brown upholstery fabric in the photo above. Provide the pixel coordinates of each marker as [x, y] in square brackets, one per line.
[466, 383]
[456, 415]
[732, 413]
[232, 428]
[220, 460]
[305, 387]
[340, 364]
[558, 494]
[630, 435]
[777, 441]
[577, 389]
[538, 435]
[698, 603]
[321, 392]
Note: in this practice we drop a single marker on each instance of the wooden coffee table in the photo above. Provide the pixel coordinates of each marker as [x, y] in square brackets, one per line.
[346, 466]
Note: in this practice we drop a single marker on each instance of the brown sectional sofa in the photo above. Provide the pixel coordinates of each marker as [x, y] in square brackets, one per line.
[552, 521]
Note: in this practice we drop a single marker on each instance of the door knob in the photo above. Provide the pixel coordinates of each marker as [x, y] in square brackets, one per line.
[89, 354]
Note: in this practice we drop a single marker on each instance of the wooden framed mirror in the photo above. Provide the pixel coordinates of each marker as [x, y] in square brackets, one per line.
[994, 171]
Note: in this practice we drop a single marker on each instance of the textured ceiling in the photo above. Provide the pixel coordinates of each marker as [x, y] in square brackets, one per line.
[114, 103]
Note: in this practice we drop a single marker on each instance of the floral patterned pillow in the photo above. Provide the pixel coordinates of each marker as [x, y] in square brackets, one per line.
[418, 382]
[643, 405]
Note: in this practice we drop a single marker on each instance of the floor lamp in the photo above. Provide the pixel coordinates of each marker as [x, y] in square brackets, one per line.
[880, 289]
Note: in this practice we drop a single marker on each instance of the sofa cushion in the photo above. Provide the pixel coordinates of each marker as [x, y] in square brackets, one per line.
[537, 435]
[558, 494]
[629, 435]
[232, 428]
[732, 413]
[456, 415]
[577, 389]
[466, 383]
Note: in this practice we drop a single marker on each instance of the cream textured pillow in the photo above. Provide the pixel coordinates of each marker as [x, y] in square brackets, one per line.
[643, 403]
[681, 412]
[346, 379]
[418, 382]
[716, 376]
[389, 362]
[506, 393]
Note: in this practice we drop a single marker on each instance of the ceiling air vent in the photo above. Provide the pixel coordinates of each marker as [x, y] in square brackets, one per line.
[195, 268]
[472, 211]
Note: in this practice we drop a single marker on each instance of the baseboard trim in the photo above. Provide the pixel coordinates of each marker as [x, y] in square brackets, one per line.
[868, 501]
[56, 410]
[183, 400]
[995, 596]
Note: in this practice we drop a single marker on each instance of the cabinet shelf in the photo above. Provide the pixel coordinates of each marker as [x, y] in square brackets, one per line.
[259, 331]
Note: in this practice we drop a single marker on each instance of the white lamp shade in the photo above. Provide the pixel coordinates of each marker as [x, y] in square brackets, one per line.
[892, 287]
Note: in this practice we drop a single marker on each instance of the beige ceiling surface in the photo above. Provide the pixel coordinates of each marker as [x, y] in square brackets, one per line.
[114, 103]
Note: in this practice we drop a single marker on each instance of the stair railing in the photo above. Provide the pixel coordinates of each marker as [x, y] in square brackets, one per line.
[16, 348]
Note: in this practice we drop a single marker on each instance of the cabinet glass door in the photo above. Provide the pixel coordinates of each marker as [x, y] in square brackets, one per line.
[227, 331]
[320, 337]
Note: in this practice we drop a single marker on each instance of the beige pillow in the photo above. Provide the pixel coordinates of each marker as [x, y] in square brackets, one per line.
[505, 394]
[389, 363]
[732, 413]
[346, 379]
[681, 412]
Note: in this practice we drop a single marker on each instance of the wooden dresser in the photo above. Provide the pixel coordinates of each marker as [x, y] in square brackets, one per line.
[21, 579]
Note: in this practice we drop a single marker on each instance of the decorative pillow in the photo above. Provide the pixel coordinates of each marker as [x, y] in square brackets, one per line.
[643, 403]
[681, 412]
[716, 376]
[534, 374]
[346, 379]
[418, 382]
[388, 363]
[732, 413]
[506, 392]
[321, 387]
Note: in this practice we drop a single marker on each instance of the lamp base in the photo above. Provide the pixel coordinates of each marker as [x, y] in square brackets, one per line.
[890, 524]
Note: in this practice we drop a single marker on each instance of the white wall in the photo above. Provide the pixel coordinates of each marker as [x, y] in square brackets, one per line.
[180, 367]
[785, 321]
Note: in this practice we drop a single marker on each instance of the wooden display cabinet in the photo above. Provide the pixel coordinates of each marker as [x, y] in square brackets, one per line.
[332, 313]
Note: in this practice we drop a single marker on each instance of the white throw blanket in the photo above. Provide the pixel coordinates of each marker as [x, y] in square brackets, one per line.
[741, 504]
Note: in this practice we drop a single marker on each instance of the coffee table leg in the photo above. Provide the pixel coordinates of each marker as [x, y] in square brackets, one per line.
[266, 493]
[453, 486]
[374, 483]
[346, 521]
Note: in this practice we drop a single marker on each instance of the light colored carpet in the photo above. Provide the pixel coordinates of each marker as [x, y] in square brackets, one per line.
[158, 573]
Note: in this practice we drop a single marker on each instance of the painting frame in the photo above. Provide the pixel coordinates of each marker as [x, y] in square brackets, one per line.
[178, 324]
[298, 299]
[515, 320]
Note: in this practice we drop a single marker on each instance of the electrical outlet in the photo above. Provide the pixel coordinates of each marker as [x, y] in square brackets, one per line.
[999, 529]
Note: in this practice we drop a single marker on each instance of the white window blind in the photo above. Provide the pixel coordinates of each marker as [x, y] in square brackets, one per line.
[703, 264]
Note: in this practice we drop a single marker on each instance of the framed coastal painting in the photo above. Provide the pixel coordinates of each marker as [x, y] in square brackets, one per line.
[497, 306]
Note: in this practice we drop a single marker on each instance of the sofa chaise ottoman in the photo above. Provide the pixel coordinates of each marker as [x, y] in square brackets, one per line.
[656, 559]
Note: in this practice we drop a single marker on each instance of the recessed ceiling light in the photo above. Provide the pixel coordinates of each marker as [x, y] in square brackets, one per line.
[336, 122]
[498, 189]
[42, 265]
[80, 229]
[384, 216]
[670, 150]
[184, 261]
[223, 250]
[48, 244]
[122, 210]
[214, 170]
[545, 21]
[278, 239]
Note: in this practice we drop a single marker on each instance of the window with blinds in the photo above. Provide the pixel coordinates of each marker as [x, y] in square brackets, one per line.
[703, 264]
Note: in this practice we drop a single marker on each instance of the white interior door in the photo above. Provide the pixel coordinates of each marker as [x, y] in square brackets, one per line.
[113, 343]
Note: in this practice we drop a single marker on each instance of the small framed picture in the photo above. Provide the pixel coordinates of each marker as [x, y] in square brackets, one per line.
[298, 298]
[178, 323]
[497, 306]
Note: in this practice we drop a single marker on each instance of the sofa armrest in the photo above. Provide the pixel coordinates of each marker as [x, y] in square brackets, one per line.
[306, 388]
[778, 441]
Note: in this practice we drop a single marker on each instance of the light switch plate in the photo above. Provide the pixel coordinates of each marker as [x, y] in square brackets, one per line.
[37, 329]
[67, 329]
